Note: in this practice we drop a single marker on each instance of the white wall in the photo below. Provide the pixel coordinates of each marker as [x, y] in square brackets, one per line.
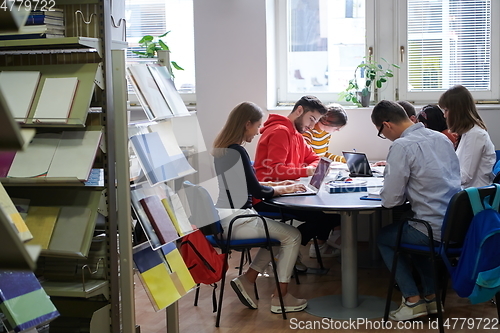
[232, 66]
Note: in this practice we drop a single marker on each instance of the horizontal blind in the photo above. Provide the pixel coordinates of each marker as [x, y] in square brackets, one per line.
[449, 42]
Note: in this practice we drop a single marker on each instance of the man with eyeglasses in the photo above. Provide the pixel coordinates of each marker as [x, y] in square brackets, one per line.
[423, 169]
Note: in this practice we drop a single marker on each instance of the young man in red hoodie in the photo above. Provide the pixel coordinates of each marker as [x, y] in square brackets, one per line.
[282, 154]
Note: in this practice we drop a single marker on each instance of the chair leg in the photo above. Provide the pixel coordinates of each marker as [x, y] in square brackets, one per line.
[296, 275]
[221, 294]
[435, 269]
[278, 285]
[318, 254]
[241, 262]
[196, 295]
[497, 298]
[392, 279]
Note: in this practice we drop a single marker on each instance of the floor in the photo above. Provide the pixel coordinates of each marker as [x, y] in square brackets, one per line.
[461, 315]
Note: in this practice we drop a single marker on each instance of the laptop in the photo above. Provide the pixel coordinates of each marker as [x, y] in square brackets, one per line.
[317, 178]
[358, 164]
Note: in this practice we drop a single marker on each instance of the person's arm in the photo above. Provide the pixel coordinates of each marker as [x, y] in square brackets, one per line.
[471, 149]
[274, 166]
[255, 188]
[335, 158]
[396, 175]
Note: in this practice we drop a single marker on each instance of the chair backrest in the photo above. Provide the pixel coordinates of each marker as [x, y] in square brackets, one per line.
[203, 212]
[459, 216]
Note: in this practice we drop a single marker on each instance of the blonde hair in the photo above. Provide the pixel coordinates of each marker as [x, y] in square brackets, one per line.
[234, 129]
[462, 113]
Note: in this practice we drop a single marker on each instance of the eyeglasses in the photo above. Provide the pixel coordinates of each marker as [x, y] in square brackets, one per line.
[380, 135]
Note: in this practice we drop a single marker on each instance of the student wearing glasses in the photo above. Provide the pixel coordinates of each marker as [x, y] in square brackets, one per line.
[474, 148]
[423, 169]
[319, 140]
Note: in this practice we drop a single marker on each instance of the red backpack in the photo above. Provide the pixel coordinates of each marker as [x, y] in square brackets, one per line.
[204, 263]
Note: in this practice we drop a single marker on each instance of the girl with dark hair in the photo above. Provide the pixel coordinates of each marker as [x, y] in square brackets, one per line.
[433, 118]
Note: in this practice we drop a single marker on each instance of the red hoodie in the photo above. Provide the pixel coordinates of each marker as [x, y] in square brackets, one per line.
[282, 152]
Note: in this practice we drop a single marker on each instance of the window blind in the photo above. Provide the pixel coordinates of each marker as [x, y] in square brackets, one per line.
[449, 42]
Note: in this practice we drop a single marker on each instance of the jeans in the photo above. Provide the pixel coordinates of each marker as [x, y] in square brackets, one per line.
[289, 236]
[386, 244]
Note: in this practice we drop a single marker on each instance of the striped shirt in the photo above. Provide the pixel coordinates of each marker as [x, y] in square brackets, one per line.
[319, 141]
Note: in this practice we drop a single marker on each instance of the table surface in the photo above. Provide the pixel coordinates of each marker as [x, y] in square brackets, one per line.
[328, 201]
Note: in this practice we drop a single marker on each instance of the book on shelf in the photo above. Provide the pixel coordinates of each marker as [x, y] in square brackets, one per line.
[56, 99]
[79, 147]
[158, 216]
[35, 160]
[45, 19]
[48, 153]
[22, 205]
[177, 210]
[31, 36]
[179, 162]
[19, 89]
[41, 221]
[6, 159]
[179, 273]
[72, 227]
[140, 214]
[12, 20]
[10, 211]
[54, 12]
[23, 301]
[147, 90]
[165, 84]
[156, 278]
[153, 157]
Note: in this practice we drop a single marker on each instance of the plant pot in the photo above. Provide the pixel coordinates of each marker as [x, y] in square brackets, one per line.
[364, 98]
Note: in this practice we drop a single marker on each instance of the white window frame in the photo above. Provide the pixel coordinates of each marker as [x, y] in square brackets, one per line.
[433, 96]
[385, 36]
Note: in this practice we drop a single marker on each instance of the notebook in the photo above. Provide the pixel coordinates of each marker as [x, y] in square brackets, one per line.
[358, 164]
[317, 178]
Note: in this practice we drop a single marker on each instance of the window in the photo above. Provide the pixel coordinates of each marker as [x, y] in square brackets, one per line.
[326, 40]
[437, 43]
[155, 17]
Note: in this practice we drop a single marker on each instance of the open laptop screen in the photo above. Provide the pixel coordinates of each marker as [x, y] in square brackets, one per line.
[358, 164]
[321, 171]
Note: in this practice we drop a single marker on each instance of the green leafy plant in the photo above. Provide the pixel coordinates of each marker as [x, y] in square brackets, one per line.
[375, 75]
[153, 44]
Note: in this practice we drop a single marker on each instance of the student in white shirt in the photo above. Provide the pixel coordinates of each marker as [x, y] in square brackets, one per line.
[474, 149]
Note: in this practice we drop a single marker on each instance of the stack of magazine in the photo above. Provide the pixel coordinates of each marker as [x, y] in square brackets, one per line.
[40, 24]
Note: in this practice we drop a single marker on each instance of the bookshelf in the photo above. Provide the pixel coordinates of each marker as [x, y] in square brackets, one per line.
[92, 288]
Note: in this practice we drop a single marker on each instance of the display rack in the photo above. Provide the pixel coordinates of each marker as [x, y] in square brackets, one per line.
[100, 294]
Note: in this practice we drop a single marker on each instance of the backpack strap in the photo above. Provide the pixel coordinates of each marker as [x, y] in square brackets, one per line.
[475, 200]
[496, 199]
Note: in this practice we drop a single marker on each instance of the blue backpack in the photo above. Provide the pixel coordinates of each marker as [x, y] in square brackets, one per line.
[477, 274]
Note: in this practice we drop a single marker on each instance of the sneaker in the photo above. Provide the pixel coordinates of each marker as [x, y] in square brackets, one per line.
[334, 239]
[325, 250]
[432, 306]
[299, 266]
[290, 303]
[245, 291]
[407, 312]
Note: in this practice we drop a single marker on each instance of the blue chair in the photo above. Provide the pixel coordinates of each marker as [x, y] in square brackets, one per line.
[205, 216]
[455, 225]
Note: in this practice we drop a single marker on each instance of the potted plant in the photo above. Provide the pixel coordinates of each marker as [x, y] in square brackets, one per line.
[374, 75]
[152, 45]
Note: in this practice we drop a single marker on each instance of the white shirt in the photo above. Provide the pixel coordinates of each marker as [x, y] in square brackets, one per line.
[477, 157]
[422, 167]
